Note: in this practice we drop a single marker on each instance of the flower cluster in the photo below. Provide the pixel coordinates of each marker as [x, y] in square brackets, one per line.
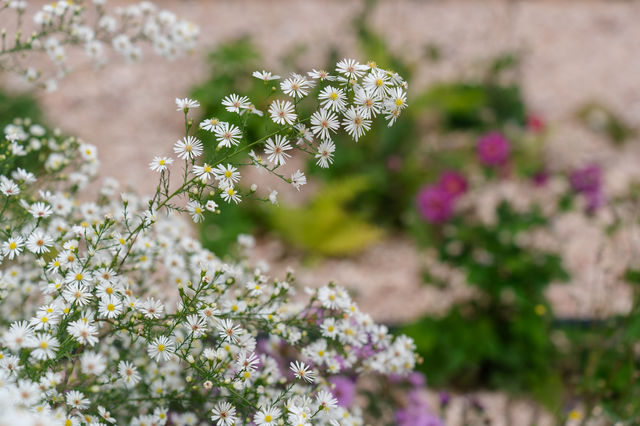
[351, 99]
[66, 23]
[113, 312]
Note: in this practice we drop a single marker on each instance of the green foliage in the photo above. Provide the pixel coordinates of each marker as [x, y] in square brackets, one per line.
[324, 226]
[18, 107]
[500, 339]
[602, 120]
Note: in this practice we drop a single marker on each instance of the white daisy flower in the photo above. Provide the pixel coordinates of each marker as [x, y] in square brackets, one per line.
[161, 348]
[282, 112]
[188, 148]
[333, 98]
[265, 75]
[186, 104]
[227, 134]
[276, 150]
[160, 164]
[234, 103]
[351, 68]
[322, 122]
[325, 153]
[355, 124]
[196, 211]
[298, 179]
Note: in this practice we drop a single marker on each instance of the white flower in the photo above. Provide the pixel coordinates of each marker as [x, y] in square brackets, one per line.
[211, 206]
[161, 348]
[77, 400]
[45, 346]
[223, 414]
[203, 172]
[227, 176]
[333, 98]
[9, 188]
[128, 373]
[325, 153]
[186, 104]
[302, 371]
[321, 75]
[196, 211]
[38, 242]
[298, 179]
[351, 68]
[84, 332]
[368, 104]
[188, 148]
[160, 164]
[295, 86]
[110, 307]
[276, 150]
[12, 247]
[273, 196]
[230, 194]
[322, 122]
[265, 75]
[235, 103]
[355, 124]
[376, 82]
[282, 112]
[210, 124]
[227, 134]
[267, 416]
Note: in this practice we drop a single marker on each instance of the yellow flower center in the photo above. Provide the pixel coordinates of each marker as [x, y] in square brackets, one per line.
[13, 246]
[333, 96]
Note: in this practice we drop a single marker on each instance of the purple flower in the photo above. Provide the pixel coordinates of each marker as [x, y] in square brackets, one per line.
[416, 413]
[540, 178]
[586, 179]
[588, 182]
[453, 182]
[493, 149]
[344, 390]
[435, 204]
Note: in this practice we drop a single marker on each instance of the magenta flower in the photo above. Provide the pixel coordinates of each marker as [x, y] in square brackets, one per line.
[453, 182]
[493, 149]
[586, 179]
[435, 204]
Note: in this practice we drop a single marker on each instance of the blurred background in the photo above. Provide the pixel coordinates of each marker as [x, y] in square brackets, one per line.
[496, 222]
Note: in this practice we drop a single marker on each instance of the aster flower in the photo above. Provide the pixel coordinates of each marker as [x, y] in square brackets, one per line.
[227, 176]
[265, 75]
[203, 172]
[333, 99]
[9, 187]
[223, 414]
[276, 150]
[355, 124]
[227, 134]
[186, 104]
[40, 210]
[45, 346]
[323, 122]
[209, 124]
[161, 348]
[298, 179]
[267, 416]
[12, 247]
[230, 194]
[295, 86]
[235, 103]
[160, 164]
[128, 373]
[325, 153]
[302, 371]
[196, 211]
[282, 112]
[188, 148]
[351, 68]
